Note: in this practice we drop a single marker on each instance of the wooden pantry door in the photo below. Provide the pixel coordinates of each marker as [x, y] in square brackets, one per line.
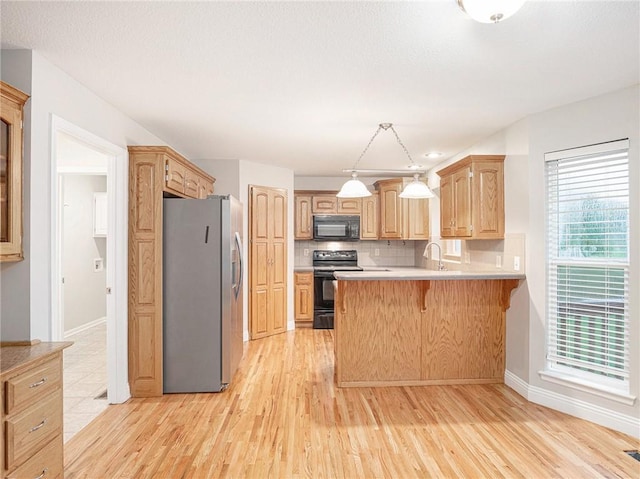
[267, 261]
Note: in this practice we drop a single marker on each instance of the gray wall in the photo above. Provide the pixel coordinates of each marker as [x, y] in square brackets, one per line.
[84, 288]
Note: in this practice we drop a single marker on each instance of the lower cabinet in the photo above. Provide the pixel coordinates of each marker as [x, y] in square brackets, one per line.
[303, 294]
[32, 418]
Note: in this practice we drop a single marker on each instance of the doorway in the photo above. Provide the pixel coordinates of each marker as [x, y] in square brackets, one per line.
[76, 153]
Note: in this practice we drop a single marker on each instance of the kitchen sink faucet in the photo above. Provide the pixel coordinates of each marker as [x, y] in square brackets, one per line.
[441, 266]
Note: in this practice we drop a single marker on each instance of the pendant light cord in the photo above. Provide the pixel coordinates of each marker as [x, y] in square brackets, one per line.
[384, 126]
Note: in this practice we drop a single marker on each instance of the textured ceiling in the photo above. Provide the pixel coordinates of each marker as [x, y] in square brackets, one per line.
[304, 85]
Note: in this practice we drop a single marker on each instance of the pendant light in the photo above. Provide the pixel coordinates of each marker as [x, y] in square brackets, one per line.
[416, 189]
[490, 11]
[354, 188]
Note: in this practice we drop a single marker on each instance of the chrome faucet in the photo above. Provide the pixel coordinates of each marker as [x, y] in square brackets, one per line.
[441, 266]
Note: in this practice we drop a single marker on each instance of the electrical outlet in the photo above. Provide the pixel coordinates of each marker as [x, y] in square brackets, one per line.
[376, 252]
[305, 252]
[498, 261]
[516, 263]
[467, 258]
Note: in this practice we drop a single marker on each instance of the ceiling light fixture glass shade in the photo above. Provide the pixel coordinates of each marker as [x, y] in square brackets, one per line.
[416, 189]
[490, 11]
[354, 188]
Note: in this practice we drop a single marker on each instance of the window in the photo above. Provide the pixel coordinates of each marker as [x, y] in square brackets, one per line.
[588, 263]
[452, 249]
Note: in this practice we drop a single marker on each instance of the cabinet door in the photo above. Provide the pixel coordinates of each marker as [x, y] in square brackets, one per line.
[462, 202]
[191, 183]
[324, 204]
[268, 261]
[488, 203]
[447, 214]
[349, 206]
[11, 108]
[390, 210]
[205, 188]
[416, 217]
[175, 175]
[369, 217]
[303, 296]
[146, 179]
[303, 220]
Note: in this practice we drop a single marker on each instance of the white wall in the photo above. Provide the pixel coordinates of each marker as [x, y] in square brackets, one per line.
[52, 92]
[84, 288]
[257, 174]
[609, 117]
[226, 173]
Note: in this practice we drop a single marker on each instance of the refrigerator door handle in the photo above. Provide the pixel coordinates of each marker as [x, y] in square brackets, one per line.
[238, 285]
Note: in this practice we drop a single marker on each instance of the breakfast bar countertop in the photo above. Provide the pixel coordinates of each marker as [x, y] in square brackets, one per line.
[413, 273]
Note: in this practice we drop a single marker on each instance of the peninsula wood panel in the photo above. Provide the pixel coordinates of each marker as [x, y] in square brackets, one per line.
[464, 330]
[364, 356]
[421, 332]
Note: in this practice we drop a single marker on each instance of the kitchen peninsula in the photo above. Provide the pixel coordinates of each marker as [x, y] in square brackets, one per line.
[413, 326]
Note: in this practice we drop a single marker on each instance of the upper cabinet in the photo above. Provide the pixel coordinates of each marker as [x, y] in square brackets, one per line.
[406, 219]
[369, 217]
[11, 114]
[303, 220]
[472, 198]
[185, 179]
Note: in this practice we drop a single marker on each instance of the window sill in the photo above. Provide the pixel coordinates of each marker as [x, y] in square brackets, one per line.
[587, 386]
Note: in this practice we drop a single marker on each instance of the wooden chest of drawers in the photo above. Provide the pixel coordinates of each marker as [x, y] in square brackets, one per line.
[32, 444]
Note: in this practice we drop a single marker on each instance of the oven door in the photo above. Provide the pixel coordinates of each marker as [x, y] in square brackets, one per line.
[323, 290]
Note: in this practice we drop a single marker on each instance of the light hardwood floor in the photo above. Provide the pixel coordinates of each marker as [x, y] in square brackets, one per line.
[284, 417]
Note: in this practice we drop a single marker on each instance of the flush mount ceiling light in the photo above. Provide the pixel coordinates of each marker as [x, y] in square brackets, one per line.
[354, 188]
[490, 11]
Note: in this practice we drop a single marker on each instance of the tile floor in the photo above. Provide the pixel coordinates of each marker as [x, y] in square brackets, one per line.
[85, 377]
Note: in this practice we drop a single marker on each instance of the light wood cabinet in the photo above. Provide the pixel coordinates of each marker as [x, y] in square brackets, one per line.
[303, 217]
[303, 292]
[32, 407]
[185, 179]
[349, 206]
[153, 172]
[324, 204]
[472, 198]
[267, 261]
[11, 116]
[400, 218]
[369, 217]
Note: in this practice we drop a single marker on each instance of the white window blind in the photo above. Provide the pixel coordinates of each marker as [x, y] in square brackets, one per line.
[588, 262]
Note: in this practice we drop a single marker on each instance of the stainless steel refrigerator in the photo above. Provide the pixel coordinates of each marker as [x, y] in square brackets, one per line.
[202, 293]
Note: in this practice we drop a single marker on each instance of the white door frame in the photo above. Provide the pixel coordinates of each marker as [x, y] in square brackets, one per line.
[117, 240]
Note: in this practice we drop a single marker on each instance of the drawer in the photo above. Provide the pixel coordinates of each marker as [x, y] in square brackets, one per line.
[303, 278]
[32, 385]
[44, 464]
[28, 431]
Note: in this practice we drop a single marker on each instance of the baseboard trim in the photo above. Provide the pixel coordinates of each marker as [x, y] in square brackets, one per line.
[574, 407]
[84, 327]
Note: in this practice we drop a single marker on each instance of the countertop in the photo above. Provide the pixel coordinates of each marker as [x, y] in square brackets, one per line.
[408, 273]
[303, 269]
[14, 358]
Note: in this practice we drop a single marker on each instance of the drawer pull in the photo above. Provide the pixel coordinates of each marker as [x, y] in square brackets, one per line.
[35, 428]
[44, 473]
[39, 383]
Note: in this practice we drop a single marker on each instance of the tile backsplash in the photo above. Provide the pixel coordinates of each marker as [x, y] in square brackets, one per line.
[476, 255]
[370, 253]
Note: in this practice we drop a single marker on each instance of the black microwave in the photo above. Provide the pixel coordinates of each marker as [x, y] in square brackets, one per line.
[336, 228]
